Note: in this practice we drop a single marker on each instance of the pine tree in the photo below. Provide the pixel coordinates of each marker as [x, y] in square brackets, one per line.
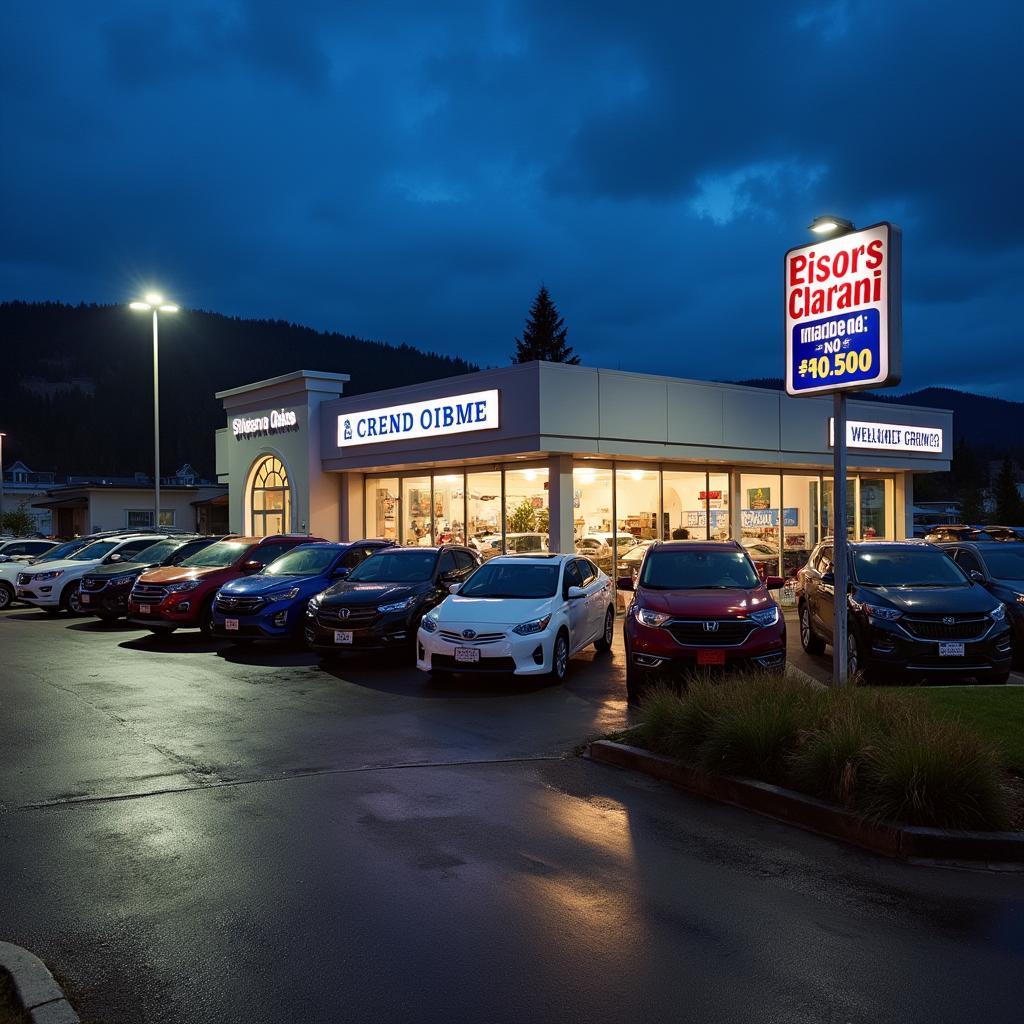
[968, 479]
[1009, 507]
[544, 334]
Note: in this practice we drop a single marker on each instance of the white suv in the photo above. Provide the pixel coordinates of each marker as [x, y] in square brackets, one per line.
[522, 614]
[53, 585]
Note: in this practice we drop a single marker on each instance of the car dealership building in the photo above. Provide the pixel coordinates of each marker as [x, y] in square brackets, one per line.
[550, 456]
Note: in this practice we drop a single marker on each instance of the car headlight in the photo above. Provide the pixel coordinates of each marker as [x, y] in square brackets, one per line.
[284, 595]
[429, 623]
[767, 616]
[179, 588]
[533, 626]
[877, 611]
[39, 576]
[397, 606]
[998, 613]
[649, 617]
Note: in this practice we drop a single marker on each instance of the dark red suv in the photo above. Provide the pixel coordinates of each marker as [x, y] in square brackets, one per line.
[181, 597]
[697, 604]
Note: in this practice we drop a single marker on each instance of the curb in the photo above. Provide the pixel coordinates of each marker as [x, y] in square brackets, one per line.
[909, 842]
[41, 996]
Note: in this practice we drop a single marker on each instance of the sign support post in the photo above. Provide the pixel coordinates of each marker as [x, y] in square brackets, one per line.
[840, 662]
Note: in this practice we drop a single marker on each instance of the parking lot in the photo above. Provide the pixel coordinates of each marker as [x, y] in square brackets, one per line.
[197, 832]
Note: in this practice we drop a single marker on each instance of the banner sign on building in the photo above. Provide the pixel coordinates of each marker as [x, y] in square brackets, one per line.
[757, 518]
[889, 437]
[277, 421]
[436, 417]
[843, 312]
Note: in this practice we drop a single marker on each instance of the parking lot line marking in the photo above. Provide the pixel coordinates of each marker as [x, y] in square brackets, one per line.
[42, 805]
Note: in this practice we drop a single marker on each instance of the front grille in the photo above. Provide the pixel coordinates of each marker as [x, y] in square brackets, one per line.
[24, 578]
[148, 593]
[725, 632]
[93, 583]
[481, 638]
[243, 605]
[963, 627]
[447, 661]
[357, 615]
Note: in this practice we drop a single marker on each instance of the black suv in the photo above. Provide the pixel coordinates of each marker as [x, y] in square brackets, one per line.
[999, 568]
[104, 590]
[912, 611]
[380, 604]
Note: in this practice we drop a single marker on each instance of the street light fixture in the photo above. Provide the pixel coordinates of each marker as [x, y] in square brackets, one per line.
[832, 226]
[155, 303]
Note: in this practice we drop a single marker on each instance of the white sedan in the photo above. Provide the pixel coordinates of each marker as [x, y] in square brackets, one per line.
[523, 614]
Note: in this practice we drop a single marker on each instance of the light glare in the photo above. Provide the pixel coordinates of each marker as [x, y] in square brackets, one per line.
[154, 298]
[139, 305]
[168, 307]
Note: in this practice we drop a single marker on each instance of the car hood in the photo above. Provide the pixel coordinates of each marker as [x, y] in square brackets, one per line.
[492, 611]
[933, 600]
[371, 593]
[705, 604]
[253, 586]
[179, 574]
[63, 564]
[120, 568]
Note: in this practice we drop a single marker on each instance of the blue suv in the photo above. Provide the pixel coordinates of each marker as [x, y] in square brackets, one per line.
[271, 604]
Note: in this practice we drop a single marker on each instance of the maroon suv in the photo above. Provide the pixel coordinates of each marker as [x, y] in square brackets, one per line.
[697, 604]
[181, 597]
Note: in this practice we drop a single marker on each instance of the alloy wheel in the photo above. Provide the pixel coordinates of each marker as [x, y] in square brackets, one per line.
[852, 656]
[805, 626]
[560, 657]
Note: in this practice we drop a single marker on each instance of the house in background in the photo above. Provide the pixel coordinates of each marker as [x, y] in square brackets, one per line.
[21, 487]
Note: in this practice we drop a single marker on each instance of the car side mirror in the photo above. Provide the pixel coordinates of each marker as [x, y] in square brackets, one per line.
[575, 593]
[828, 578]
[111, 559]
[978, 577]
[454, 588]
[340, 572]
[774, 582]
[250, 567]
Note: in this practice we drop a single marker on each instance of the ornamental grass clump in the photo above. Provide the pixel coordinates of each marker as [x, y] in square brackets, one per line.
[676, 725]
[936, 773]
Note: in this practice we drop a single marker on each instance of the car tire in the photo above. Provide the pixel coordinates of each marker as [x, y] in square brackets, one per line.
[72, 600]
[559, 658]
[634, 681]
[604, 642]
[206, 619]
[6, 596]
[857, 670]
[809, 640]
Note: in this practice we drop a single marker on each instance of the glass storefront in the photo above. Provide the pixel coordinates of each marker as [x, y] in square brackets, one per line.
[618, 508]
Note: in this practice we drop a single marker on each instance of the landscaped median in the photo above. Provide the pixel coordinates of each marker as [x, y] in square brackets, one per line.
[880, 769]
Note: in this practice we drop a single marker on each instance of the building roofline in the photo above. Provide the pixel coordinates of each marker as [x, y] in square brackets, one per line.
[296, 375]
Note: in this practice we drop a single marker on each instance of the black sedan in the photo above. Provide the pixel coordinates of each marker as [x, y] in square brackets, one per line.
[912, 611]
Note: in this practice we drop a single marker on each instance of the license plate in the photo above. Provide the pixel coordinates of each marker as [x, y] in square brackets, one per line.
[231, 624]
[145, 609]
[84, 598]
[711, 657]
[343, 636]
[951, 650]
[467, 654]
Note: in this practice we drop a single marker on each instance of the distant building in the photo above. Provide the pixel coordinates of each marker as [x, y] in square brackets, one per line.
[22, 486]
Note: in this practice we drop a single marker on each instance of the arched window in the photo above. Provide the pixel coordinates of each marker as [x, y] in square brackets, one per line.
[271, 498]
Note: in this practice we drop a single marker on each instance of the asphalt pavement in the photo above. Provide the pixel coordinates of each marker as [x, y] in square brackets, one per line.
[195, 832]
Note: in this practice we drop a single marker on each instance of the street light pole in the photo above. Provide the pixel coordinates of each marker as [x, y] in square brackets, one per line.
[156, 304]
[2, 436]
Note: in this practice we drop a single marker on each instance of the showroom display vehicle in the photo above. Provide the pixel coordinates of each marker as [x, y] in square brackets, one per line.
[912, 612]
[701, 605]
[519, 614]
[24, 549]
[181, 597]
[380, 604]
[53, 584]
[272, 603]
[104, 590]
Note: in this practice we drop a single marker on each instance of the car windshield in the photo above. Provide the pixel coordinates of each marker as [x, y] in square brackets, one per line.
[157, 552]
[64, 550]
[302, 561]
[698, 570]
[1007, 563]
[216, 556]
[395, 567]
[906, 567]
[95, 550]
[521, 580]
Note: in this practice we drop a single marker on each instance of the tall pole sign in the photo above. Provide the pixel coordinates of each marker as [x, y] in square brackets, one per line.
[844, 332]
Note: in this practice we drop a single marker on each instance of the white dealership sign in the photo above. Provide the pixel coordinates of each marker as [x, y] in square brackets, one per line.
[889, 437]
[275, 422]
[458, 414]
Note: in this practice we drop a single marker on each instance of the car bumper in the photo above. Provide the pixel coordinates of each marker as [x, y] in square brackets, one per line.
[886, 649]
[384, 633]
[654, 649]
[518, 655]
[278, 624]
[169, 614]
[42, 596]
[104, 602]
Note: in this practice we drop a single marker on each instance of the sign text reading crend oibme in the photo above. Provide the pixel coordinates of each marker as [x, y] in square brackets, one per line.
[439, 416]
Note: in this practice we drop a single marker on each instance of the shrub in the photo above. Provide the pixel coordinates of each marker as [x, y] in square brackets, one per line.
[934, 773]
[676, 725]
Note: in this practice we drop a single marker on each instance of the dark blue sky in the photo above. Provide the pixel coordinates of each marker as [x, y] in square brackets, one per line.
[410, 172]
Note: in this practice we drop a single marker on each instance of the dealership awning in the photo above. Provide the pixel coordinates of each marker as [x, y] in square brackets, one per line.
[77, 502]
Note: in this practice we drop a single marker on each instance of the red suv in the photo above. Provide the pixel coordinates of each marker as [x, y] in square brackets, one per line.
[701, 603]
[181, 596]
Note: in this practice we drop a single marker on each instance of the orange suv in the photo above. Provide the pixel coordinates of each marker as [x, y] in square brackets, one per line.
[181, 596]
